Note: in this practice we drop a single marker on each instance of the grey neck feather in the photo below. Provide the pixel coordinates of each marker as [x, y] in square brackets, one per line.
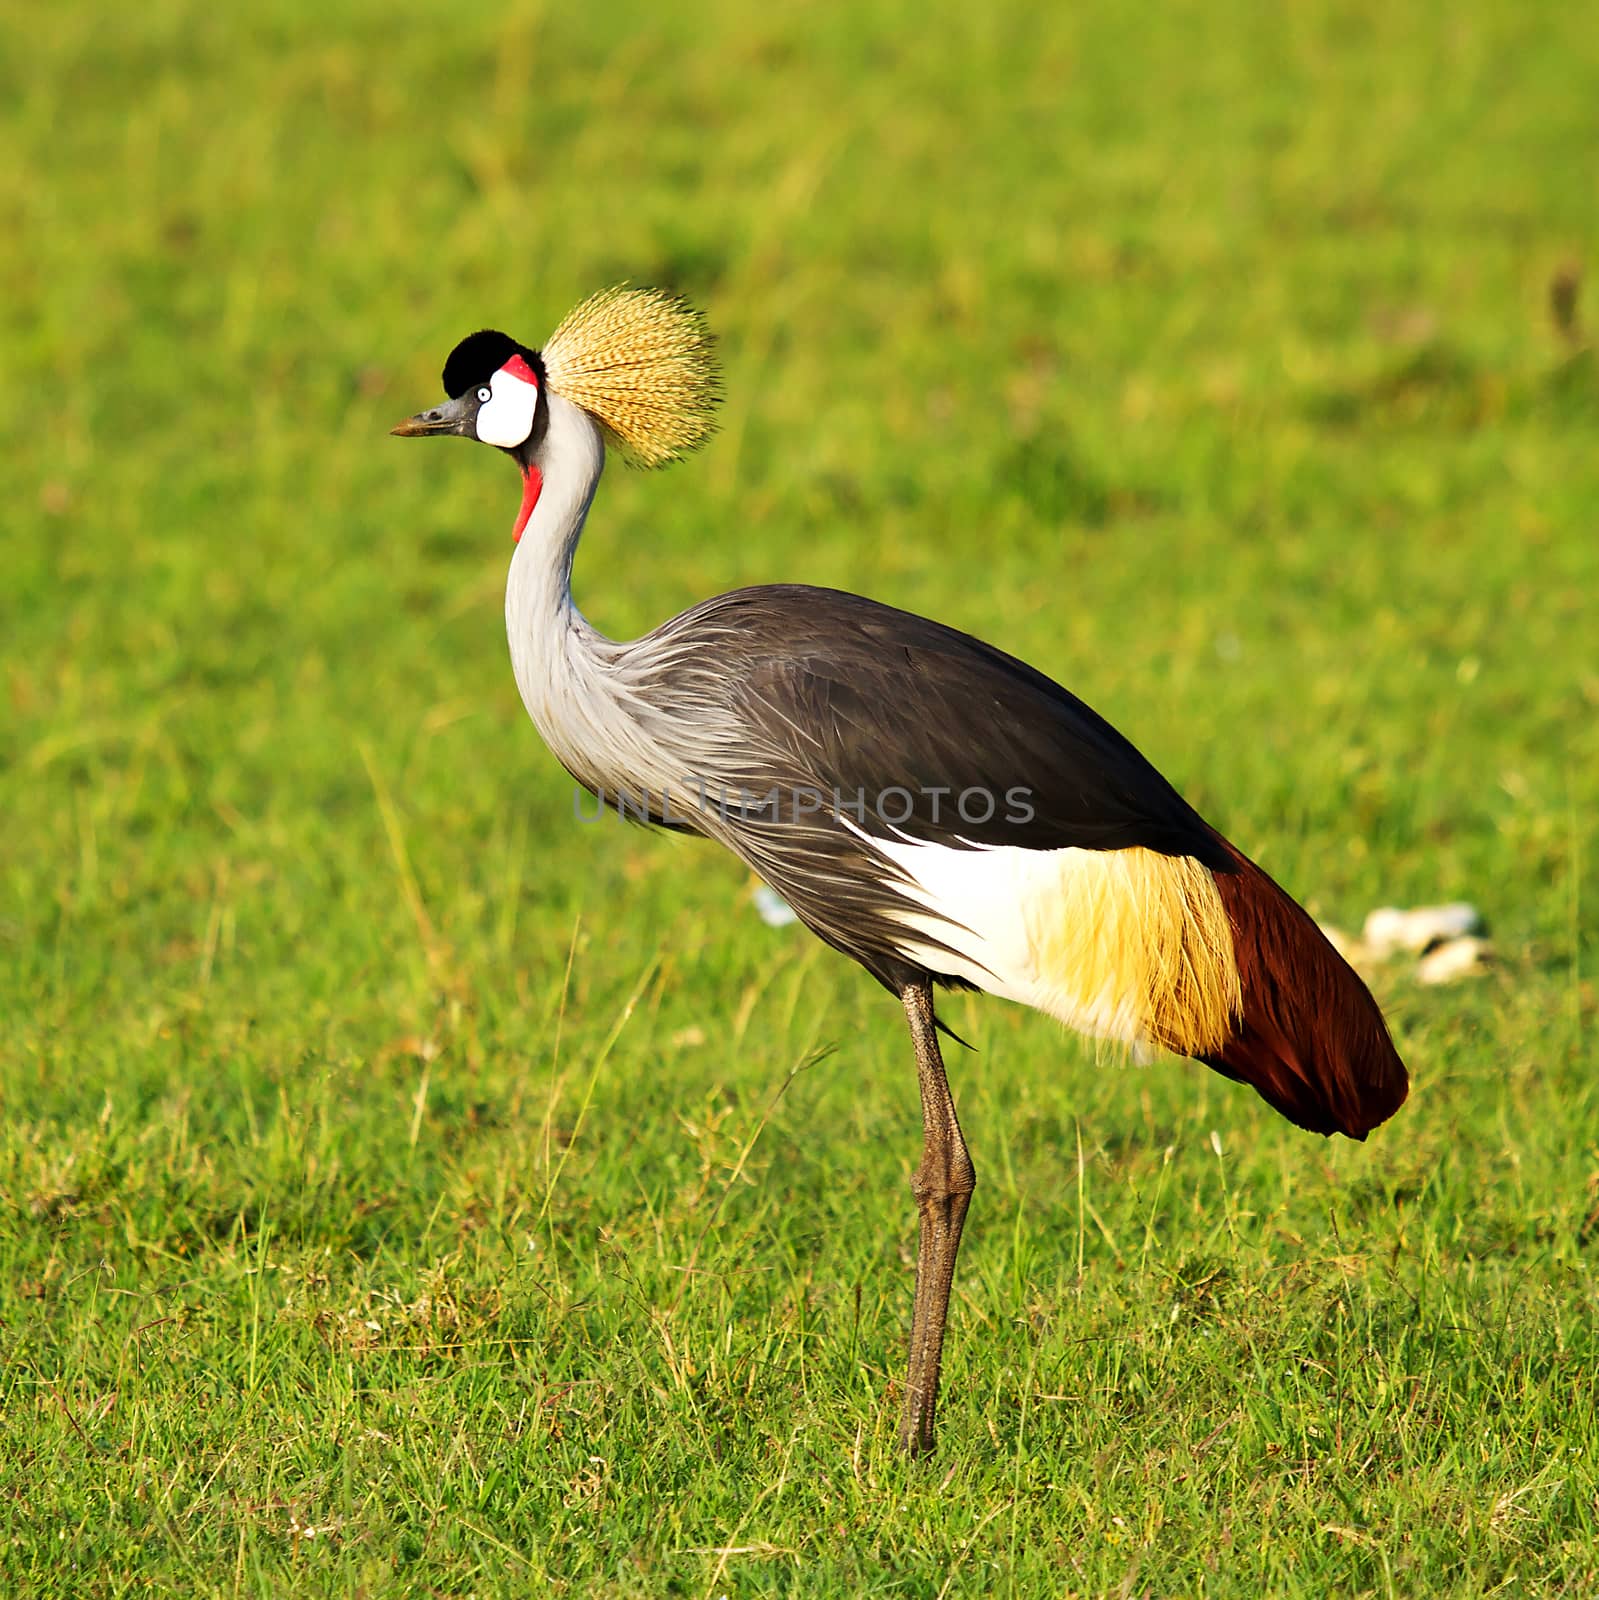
[538, 594]
[555, 653]
[584, 692]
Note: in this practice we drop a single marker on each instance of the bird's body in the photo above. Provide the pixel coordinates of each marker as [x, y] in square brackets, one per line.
[930, 806]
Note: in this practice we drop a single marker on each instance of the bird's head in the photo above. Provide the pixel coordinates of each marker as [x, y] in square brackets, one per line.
[496, 390]
[640, 362]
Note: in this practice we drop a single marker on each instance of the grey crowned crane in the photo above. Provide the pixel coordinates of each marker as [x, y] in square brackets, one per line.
[927, 804]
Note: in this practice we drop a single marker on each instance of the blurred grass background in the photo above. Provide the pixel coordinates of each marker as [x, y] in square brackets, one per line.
[406, 1190]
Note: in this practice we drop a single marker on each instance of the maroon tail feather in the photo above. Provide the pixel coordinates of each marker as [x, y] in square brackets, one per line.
[1311, 1039]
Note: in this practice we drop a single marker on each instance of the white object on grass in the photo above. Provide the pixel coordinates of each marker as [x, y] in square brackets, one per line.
[775, 911]
[1459, 958]
[1389, 929]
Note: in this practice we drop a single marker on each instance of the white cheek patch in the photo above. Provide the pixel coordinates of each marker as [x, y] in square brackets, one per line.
[506, 417]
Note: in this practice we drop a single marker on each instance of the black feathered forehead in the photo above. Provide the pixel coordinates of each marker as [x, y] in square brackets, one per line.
[480, 355]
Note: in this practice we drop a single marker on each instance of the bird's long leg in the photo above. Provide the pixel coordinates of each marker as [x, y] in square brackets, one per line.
[943, 1185]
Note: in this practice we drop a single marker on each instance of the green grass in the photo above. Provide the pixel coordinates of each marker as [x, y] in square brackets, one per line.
[406, 1190]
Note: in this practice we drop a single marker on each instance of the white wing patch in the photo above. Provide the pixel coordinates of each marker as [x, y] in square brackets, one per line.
[506, 417]
[1126, 945]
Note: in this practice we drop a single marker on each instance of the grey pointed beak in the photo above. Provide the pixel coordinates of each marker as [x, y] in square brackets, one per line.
[454, 416]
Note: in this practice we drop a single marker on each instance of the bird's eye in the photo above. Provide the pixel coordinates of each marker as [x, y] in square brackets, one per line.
[484, 395]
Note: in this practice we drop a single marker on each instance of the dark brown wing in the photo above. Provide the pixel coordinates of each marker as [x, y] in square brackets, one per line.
[918, 727]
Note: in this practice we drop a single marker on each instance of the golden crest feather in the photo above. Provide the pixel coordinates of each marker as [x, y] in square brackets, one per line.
[643, 364]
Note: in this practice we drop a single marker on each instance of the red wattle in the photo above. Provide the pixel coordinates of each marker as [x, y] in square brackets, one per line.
[532, 486]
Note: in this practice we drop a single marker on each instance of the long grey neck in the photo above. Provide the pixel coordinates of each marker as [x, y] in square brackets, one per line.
[605, 709]
[559, 659]
[538, 591]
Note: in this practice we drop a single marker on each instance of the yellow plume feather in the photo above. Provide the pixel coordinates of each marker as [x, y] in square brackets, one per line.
[1143, 938]
[642, 363]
